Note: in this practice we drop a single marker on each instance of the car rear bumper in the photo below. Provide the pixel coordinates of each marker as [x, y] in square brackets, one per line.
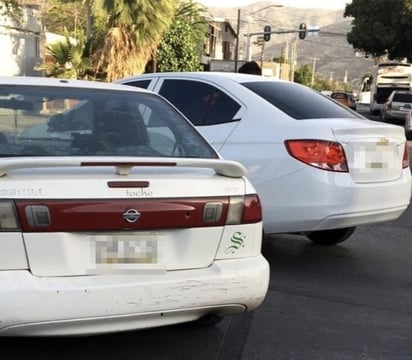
[52, 306]
[330, 202]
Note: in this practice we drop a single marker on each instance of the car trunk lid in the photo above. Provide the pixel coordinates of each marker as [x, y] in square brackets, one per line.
[84, 220]
[374, 154]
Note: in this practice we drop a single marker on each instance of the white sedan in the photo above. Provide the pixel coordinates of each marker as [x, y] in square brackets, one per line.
[320, 169]
[116, 214]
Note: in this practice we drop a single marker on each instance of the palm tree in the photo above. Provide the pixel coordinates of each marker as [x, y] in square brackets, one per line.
[67, 60]
[134, 29]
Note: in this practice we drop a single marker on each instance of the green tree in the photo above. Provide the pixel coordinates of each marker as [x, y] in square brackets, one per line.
[180, 48]
[381, 27]
[60, 16]
[192, 12]
[303, 75]
[321, 84]
[11, 8]
[280, 59]
[134, 30]
[68, 60]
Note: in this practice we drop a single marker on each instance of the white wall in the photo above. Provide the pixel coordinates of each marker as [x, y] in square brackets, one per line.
[20, 44]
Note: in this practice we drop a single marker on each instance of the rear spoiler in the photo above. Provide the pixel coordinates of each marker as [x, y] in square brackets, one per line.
[123, 165]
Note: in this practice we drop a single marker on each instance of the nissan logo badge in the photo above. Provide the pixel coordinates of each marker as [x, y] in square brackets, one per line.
[131, 215]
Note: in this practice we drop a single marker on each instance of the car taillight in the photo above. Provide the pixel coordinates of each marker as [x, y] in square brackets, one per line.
[390, 105]
[322, 154]
[244, 210]
[8, 216]
[405, 160]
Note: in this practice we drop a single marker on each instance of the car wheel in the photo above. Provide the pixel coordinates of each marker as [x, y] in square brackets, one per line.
[330, 237]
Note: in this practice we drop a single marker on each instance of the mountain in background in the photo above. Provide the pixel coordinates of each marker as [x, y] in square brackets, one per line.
[328, 52]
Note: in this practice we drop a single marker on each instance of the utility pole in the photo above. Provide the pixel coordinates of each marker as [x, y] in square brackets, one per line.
[312, 81]
[237, 39]
[90, 19]
[249, 35]
[293, 60]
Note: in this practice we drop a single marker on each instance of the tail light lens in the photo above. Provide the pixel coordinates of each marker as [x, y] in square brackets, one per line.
[405, 160]
[244, 210]
[8, 216]
[252, 210]
[390, 105]
[322, 154]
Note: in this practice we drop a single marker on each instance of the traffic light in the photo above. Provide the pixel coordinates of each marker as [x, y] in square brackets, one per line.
[266, 36]
[302, 31]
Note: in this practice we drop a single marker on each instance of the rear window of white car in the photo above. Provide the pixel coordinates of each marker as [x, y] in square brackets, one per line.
[300, 102]
[402, 97]
[56, 121]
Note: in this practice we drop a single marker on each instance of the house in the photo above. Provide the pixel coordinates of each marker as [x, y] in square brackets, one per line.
[220, 42]
[219, 52]
[20, 43]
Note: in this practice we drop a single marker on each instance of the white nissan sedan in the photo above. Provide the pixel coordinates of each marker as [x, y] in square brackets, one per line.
[116, 214]
[320, 168]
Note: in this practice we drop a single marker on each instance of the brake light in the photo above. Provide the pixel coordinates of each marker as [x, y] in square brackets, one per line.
[252, 209]
[405, 160]
[390, 105]
[8, 216]
[244, 210]
[322, 154]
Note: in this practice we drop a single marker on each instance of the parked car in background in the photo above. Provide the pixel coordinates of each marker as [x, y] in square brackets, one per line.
[116, 214]
[318, 166]
[344, 98]
[396, 106]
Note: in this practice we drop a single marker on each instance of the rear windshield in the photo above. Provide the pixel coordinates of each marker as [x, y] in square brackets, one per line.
[339, 96]
[53, 121]
[300, 102]
[403, 97]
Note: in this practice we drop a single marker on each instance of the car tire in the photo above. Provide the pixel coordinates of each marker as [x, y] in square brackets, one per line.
[330, 237]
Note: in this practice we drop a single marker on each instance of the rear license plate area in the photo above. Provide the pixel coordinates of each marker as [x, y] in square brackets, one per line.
[126, 252]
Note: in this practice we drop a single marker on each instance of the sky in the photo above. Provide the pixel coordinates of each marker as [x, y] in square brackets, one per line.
[320, 4]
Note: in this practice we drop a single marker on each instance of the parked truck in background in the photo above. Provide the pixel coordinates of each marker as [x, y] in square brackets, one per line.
[385, 78]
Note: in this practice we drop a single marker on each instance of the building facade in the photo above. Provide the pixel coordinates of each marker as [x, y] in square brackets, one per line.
[21, 43]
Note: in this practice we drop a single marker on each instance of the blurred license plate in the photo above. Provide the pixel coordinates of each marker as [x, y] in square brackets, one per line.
[127, 252]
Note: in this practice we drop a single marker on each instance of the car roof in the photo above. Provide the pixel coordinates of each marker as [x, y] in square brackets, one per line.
[56, 82]
[211, 75]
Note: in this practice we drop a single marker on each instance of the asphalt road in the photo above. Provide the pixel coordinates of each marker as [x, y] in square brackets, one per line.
[346, 302]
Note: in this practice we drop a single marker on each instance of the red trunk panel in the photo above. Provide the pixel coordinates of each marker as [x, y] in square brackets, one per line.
[104, 215]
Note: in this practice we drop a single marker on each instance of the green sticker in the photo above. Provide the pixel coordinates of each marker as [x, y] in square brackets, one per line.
[237, 241]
